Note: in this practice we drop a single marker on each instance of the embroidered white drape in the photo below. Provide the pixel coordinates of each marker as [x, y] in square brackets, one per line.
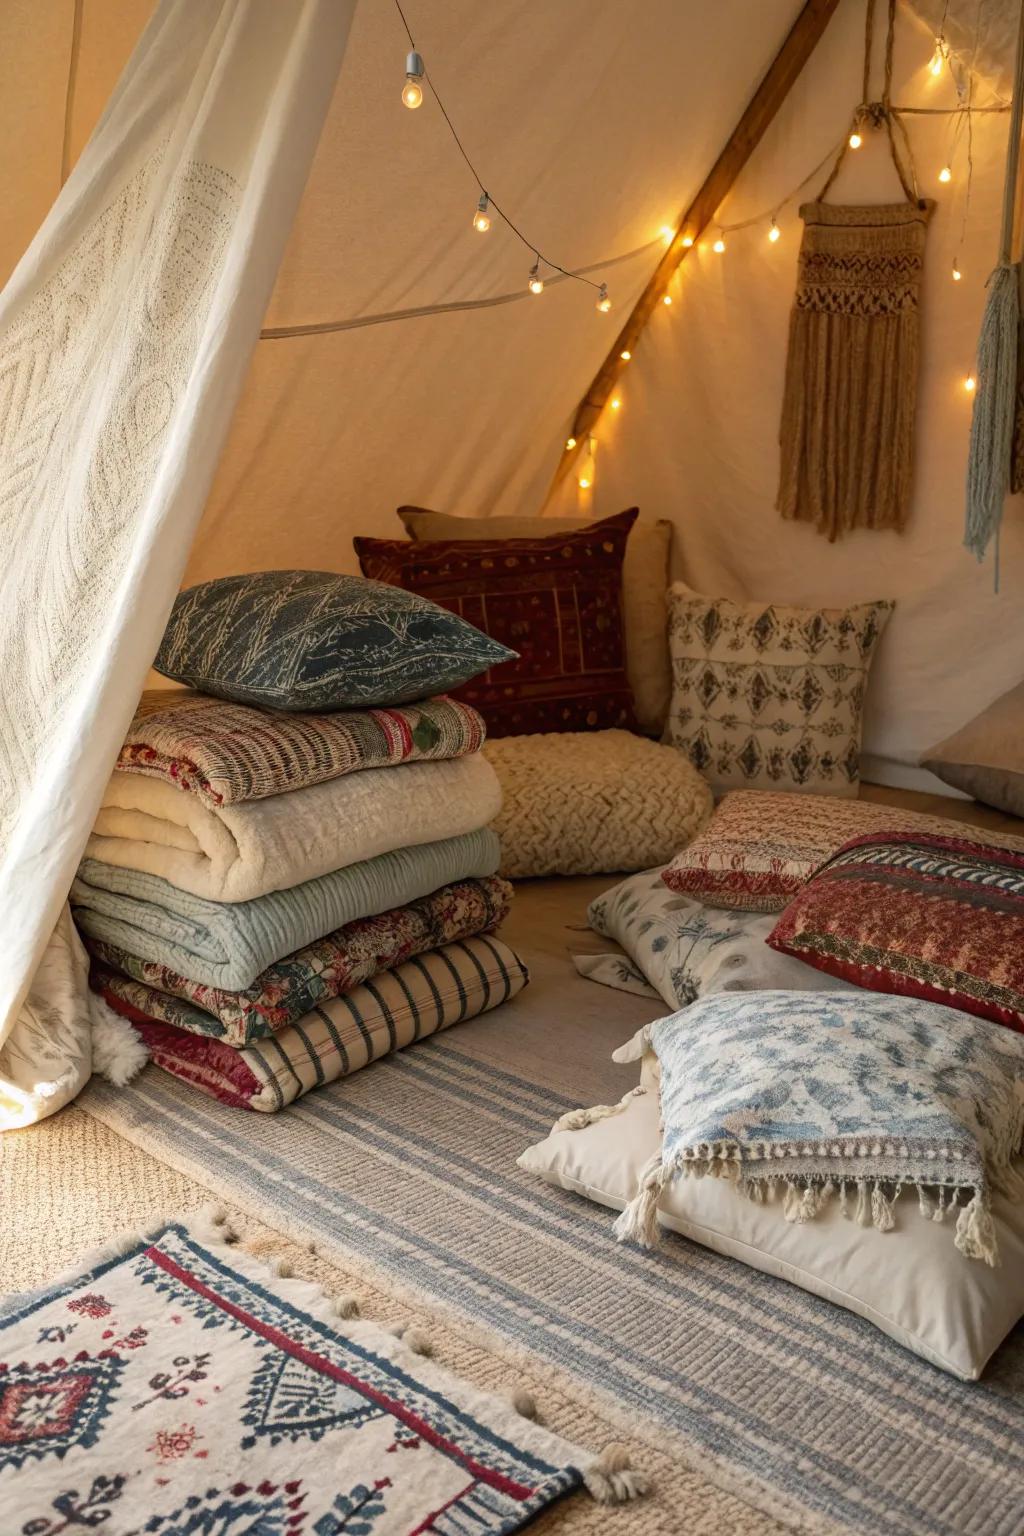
[125, 333]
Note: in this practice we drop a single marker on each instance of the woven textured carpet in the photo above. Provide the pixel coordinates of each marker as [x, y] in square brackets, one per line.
[409, 1167]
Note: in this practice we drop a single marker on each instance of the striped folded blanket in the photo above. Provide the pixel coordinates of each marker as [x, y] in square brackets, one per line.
[227, 753]
[329, 968]
[239, 852]
[444, 987]
[228, 943]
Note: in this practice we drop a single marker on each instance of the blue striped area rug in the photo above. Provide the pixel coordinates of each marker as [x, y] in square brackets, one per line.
[409, 1167]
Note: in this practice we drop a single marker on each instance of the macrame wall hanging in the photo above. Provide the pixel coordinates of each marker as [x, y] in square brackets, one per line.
[847, 434]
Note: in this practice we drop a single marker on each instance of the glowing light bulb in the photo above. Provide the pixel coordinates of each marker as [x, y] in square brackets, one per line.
[774, 232]
[970, 383]
[945, 174]
[719, 246]
[666, 298]
[570, 444]
[957, 274]
[412, 90]
[616, 403]
[604, 303]
[535, 283]
[482, 219]
[687, 241]
[667, 234]
[626, 354]
[855, 141]
[584, 483]
[938, 57]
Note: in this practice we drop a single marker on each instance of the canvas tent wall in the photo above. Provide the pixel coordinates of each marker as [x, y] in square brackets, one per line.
[595, 130]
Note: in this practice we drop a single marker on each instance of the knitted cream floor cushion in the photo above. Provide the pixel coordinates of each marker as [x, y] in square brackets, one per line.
[913, 1285]
[644, 591]
[594, 802]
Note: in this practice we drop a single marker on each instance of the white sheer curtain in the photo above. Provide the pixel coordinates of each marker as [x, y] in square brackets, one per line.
[125, 333]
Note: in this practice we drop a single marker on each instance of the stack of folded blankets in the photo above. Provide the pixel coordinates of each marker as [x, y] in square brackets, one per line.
[275, 899]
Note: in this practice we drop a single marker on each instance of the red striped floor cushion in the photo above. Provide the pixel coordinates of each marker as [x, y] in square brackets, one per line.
[936, 917]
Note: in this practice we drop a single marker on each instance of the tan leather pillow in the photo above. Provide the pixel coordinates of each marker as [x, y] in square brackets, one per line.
[644, 588]
[986, 757]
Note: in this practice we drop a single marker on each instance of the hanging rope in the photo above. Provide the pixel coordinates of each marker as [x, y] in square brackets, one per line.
[992, 420]
[879, 113]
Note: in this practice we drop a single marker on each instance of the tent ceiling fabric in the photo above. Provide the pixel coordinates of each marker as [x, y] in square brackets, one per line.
[594, 131]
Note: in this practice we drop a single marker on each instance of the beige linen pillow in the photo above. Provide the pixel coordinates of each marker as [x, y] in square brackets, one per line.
[986, 757]
[644, 589]
[770, 697]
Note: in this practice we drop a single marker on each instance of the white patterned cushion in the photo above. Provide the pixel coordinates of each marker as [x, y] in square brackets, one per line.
[687, 950]
[594, 802]
[767, 697]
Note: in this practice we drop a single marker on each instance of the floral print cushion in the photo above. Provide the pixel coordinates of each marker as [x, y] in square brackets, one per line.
[685, 950]
[850, 1098]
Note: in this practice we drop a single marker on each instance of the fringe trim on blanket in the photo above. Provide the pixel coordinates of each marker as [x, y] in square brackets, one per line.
[866, 1202]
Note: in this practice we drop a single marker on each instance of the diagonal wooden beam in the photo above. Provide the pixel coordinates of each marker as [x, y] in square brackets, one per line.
[745, 137]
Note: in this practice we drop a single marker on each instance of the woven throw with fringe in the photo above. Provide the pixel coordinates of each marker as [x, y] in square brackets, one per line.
[847, 434]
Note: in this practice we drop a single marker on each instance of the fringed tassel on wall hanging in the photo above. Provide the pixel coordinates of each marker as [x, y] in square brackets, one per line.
[997, 433]
[847, 434]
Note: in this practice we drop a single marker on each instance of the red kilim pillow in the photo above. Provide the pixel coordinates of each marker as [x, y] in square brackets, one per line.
[921, 915]
[556, 600]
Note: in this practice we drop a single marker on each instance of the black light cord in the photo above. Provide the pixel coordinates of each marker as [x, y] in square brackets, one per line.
[553, 265]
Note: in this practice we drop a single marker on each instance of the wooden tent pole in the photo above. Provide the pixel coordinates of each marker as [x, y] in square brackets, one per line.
[766, 101]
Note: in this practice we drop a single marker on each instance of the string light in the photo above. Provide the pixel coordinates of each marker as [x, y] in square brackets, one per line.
[687, 241]
[412, 95]
[570, 444]
[666, 298]
[946, 174]
[855, 141]
[774, 232]
[667, 234]
[412, 90]
[535, 282]
[626, 354]
[970, 383]
[482, 219]
[616, 403]
[939, 57]
[719, 246]
[957, 274]
[604, 303]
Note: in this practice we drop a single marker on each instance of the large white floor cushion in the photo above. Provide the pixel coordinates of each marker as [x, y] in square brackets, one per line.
[916, 1288]
[593, 802]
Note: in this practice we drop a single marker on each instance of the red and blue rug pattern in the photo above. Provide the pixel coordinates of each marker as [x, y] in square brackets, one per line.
[179, 1389]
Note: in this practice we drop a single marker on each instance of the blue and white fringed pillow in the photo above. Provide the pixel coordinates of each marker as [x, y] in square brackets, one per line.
[814, 1096]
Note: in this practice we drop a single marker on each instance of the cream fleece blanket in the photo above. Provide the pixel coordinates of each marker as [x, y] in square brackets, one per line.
[240, 852]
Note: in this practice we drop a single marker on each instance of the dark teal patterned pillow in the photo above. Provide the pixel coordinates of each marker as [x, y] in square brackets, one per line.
[313, 640]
